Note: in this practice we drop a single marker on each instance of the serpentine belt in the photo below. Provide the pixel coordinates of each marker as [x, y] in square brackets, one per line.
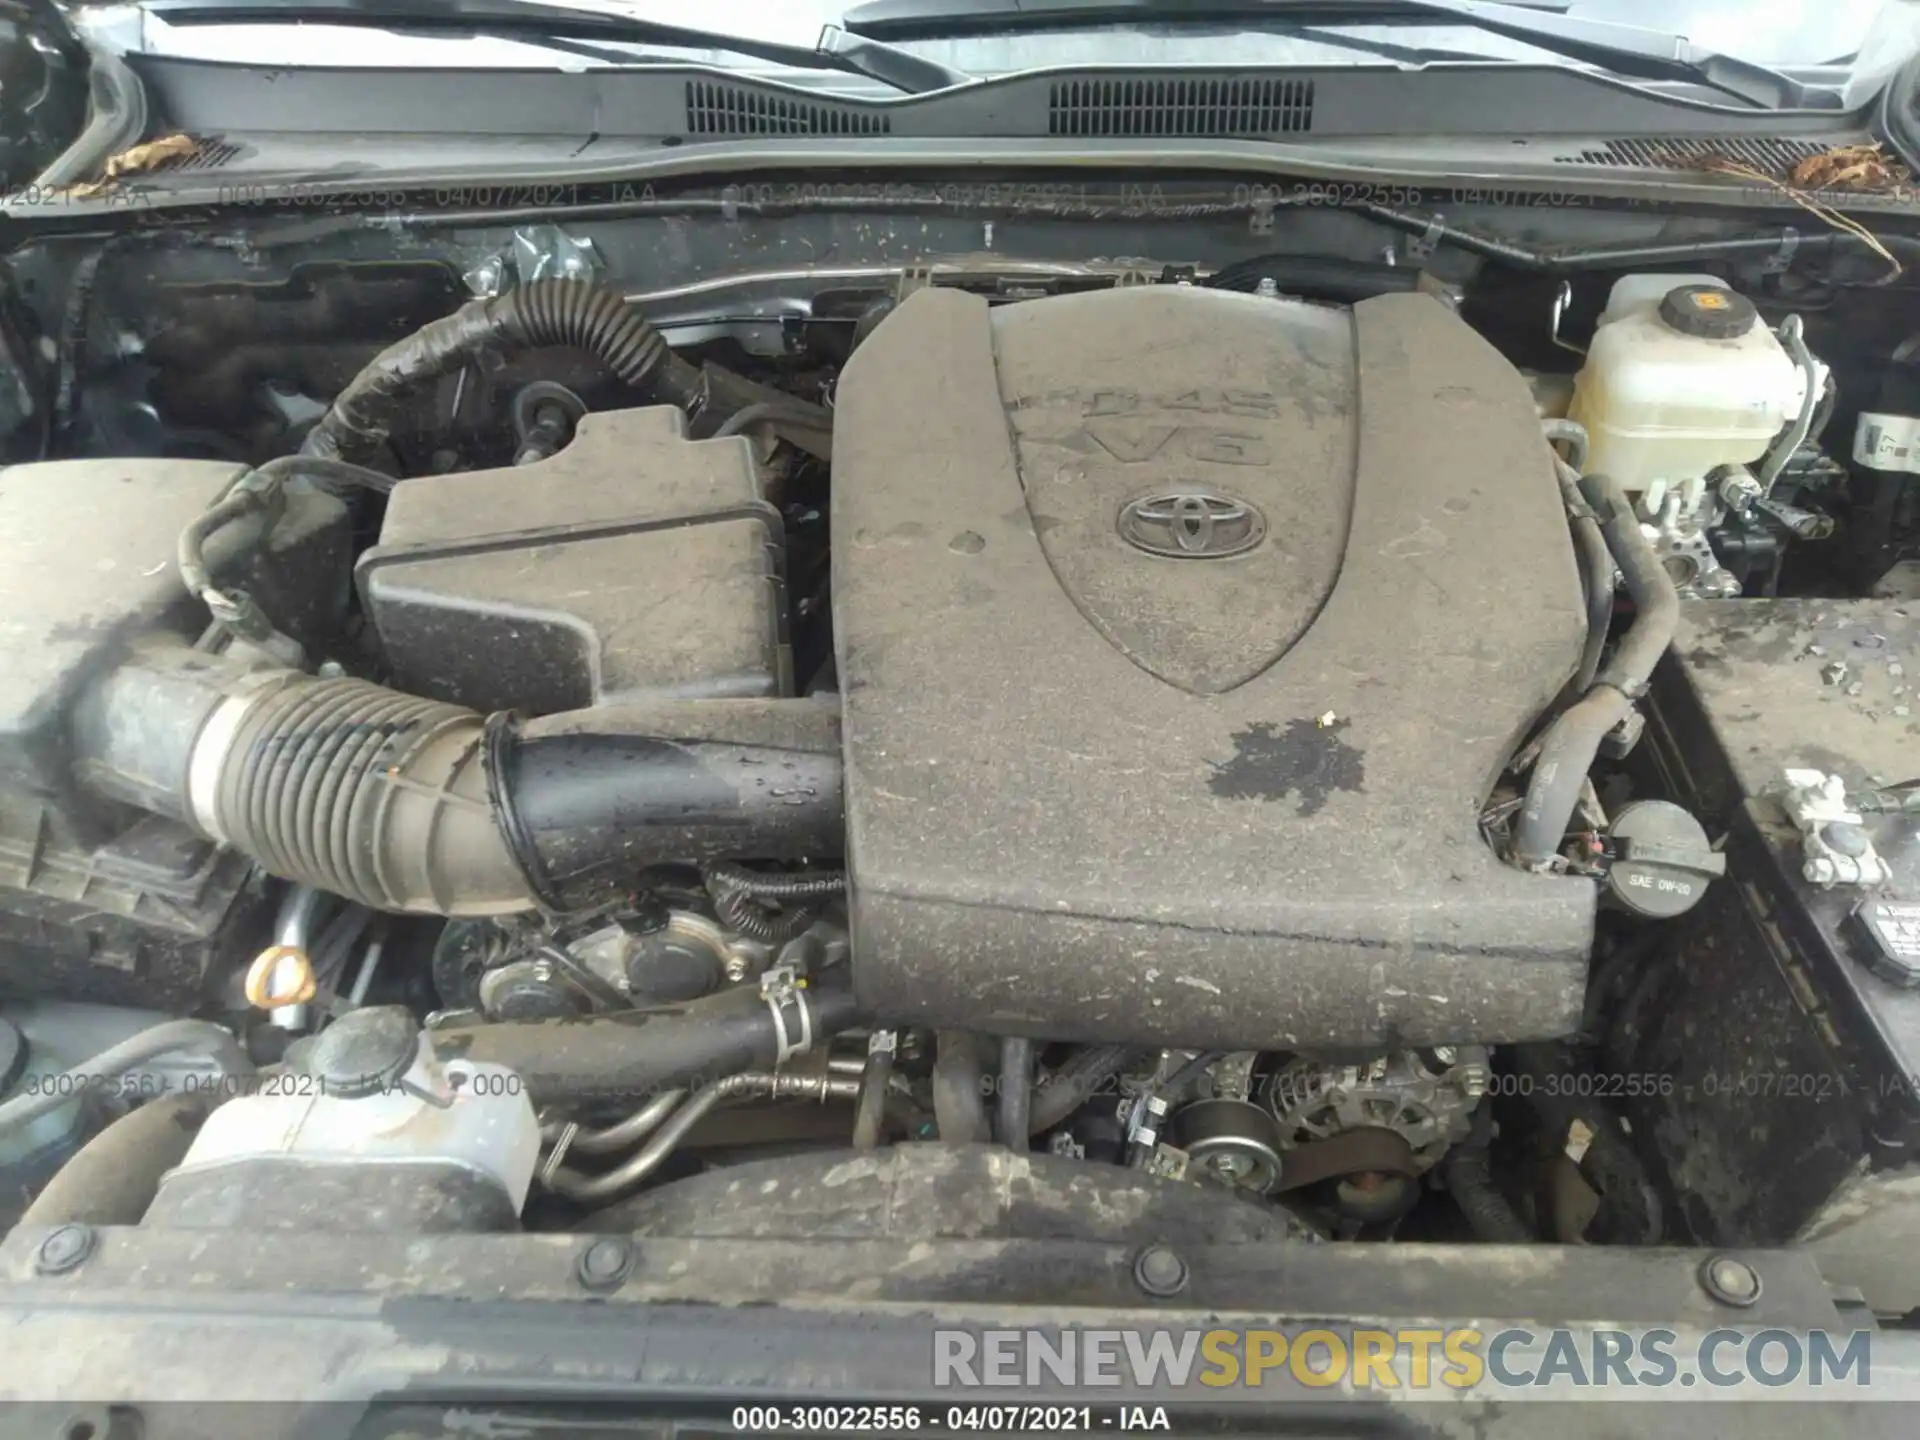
[1366, 1148]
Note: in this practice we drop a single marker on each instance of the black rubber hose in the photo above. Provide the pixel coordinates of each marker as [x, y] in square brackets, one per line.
[1656, 603]
[769, 908]
[629, 1058]
[1560, 771]
[1080, 1077]
[1015, 1121]
[1573, 740]
[1468, 1169]
[533, 316]
[112, 1180]
[1596, 575]
[869, 1118]
[1317, 277]
[591, 798]
[959, 1106]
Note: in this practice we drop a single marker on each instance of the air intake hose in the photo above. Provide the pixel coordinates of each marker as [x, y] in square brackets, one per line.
[411, 805]
[542, 313]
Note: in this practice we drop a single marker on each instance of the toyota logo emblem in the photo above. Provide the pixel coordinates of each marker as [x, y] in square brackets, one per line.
[1191, 524]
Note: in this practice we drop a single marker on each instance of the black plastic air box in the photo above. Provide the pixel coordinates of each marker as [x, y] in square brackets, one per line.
[634, 565]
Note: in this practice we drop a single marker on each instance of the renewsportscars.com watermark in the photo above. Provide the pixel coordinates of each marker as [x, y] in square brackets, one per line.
[1514, 1362]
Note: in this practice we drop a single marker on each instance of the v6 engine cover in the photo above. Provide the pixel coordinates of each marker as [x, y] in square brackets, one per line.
[1182, 635]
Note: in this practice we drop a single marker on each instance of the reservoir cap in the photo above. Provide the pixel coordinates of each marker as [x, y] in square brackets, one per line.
[363, 1052]
[1707, 312]
[1661, 859]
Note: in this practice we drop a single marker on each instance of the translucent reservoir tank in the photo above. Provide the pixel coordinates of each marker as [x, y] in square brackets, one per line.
[1683, 377]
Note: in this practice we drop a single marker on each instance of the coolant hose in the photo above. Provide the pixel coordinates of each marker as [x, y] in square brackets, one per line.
[541, 313]
[113, 1177]
[1080, 1077]
[1596, 576]
[1656, 603]
[631, 1058]
[959, 1106]
[1014, 1120]
[870, 1114]
[1590, 546]
[168, 1038]
[1568, 749]
[415, 806]
[1560, 772]
[1468, 1169]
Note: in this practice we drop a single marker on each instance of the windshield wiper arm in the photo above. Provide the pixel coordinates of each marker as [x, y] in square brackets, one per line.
[532, 21]
[1628, 50]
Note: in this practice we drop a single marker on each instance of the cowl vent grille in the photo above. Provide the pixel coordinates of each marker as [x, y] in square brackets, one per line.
[1768, 155]
[206, 155]
[1204, 106]
[714, 109]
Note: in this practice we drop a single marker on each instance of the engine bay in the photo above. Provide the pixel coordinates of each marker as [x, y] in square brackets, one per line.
[484, 748]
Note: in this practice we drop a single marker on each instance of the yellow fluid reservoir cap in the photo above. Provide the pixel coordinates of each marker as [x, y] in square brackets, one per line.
[1707, 312]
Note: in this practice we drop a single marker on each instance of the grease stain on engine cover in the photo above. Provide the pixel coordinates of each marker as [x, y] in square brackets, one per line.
[1307, 759]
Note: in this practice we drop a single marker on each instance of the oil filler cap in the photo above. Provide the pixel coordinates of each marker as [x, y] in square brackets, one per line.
[1706, 312]
[1661, 860]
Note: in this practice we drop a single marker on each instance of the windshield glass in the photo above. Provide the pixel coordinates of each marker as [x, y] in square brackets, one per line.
[1794, 32]
[1791, 33]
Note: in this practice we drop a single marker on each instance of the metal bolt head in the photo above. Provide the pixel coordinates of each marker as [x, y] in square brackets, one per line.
[605, 1263]
[1739, 490]
[1730, 1281]
[737, 968]
[1160, 1271]
[65, 1249]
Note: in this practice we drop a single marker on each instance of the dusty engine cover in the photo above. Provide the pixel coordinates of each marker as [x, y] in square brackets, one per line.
[1182, 635]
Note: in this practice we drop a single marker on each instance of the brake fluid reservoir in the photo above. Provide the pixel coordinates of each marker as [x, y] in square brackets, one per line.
[1682, 377]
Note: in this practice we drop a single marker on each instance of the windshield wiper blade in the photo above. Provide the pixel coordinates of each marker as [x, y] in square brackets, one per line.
[532, 21]
[1627, 50]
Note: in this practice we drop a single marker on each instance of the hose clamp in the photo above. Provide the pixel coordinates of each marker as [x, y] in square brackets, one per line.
[1422, 246]
[782, 989]
[1781, 260]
